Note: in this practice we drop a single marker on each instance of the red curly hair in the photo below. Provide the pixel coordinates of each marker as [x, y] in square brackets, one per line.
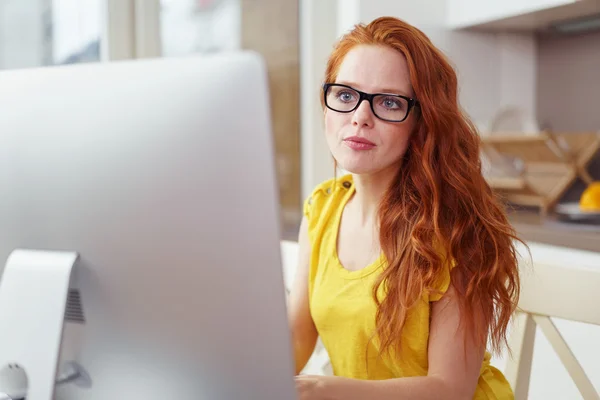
[438, 199]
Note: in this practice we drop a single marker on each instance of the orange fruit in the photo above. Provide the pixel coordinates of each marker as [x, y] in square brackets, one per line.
[590, 198]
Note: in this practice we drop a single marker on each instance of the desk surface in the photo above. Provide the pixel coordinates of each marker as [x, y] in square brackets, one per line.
[531, 226]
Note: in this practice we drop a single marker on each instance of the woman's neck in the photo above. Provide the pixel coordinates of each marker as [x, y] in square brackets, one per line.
[369, 190]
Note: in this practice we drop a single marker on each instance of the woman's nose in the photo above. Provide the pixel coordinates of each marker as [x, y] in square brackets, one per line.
[363, 115]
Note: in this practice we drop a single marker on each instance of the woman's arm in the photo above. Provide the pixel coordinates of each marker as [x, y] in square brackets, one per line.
[453, 372]
[304, 332]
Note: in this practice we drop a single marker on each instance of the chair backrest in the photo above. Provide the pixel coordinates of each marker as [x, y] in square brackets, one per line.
[560, 282]
[555, 282]
[289, 258]
[319, 363]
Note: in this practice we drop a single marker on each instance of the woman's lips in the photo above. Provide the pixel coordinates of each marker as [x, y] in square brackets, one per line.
[359, 143]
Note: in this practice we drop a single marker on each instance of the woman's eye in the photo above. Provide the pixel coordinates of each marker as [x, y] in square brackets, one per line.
[392, 103]
[346, 96]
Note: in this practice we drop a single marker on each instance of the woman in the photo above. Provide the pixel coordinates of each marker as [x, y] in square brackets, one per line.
[407, 266]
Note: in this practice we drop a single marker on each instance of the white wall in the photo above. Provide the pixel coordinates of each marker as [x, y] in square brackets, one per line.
[518, 70]
[318, 31]
[348, 14]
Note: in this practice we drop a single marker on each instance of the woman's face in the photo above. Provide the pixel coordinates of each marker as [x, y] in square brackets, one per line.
[360, 142]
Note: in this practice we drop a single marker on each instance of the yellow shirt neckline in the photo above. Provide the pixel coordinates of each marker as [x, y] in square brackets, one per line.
[333, 239]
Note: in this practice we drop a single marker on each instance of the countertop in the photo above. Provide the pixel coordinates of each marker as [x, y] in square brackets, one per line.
[530, 226]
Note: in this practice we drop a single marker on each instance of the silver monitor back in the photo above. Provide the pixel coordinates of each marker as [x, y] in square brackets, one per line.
[160, 174]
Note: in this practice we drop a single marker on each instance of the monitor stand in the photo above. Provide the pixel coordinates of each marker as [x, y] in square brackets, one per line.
[33, 297]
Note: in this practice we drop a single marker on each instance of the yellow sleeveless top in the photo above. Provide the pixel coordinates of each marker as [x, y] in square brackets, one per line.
[343, 309]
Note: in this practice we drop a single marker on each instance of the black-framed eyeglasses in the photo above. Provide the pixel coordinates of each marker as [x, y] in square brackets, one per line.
[386, 106]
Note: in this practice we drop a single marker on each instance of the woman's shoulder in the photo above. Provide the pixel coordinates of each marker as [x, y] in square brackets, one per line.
[330, 192]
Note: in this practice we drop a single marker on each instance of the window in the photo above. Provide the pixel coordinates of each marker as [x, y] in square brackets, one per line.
[36, 33]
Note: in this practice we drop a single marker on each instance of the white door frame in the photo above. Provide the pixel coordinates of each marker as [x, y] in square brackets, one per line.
[131, 30]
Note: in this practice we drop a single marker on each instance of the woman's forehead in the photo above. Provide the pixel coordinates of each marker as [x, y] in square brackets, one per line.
[375, 69]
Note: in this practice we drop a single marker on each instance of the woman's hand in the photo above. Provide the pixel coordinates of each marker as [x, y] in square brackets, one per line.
[310, 387]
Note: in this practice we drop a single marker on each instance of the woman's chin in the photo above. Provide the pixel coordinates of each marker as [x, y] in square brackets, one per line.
[365, 166]
[356, 168]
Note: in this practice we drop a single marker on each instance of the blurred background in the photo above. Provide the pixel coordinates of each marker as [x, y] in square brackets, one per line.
[525, 67]
[529, 73]
[52, 32]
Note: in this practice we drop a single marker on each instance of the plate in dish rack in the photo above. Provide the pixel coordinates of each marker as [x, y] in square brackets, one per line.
[573, 212]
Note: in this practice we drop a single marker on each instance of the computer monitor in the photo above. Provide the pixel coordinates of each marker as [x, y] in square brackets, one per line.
[159, 176]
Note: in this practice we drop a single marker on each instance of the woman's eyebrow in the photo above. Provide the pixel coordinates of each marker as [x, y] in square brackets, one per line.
[379, 90]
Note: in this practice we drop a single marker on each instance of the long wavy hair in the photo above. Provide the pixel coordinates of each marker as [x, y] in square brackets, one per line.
[439, 199]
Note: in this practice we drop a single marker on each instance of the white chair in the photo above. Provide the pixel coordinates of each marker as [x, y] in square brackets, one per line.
[289, 258]
[319, 363]
[556, 282]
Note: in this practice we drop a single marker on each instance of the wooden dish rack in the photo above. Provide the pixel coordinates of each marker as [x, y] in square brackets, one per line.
[549, 164]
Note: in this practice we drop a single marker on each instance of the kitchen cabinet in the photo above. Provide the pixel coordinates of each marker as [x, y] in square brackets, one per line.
[520, 15]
